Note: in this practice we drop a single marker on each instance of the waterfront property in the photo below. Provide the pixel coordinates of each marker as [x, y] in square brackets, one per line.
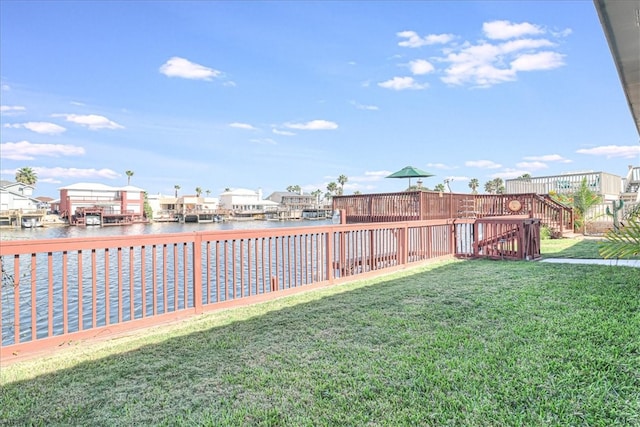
[122, 203]
[67, 289]
[17, 204]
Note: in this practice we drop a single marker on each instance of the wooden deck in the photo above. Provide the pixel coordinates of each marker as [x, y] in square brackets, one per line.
[431, 205]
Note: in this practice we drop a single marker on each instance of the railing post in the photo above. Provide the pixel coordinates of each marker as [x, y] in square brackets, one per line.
[402, 244]
[329, 255]
[197, 273]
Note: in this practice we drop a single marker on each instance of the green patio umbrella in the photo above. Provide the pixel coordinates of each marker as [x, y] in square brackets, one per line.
[410, 172]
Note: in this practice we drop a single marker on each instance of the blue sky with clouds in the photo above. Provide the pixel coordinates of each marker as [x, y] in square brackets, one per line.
[271, 94]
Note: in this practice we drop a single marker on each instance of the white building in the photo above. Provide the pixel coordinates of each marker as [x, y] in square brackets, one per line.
[607, 185]
[17, 196]
[244, 201]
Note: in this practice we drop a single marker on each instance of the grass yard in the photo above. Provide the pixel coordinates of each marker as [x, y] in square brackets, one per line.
[571, 248]
[466, 343]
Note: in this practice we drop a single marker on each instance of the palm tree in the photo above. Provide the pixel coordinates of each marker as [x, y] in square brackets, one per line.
[332, 187]
[490, 187]
[495, 186]
[622, 242]
[293, 188]
[26, 176]
[208, 192]
[473, 185]
[439, 187]
[583, 199]
[342, 180]
[198, 191]
[129, 175]
[177, 187]
[316, 194]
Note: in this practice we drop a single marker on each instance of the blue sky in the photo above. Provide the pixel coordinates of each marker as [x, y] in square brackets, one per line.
[271, 94]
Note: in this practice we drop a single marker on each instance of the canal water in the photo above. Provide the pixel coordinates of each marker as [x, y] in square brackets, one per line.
[63, 231]
[57, 232]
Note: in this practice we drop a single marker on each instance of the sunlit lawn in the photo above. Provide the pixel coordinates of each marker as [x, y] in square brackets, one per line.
[468, 343]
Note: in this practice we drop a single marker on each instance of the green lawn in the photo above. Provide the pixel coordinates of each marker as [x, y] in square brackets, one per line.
[571, 248]
[467, 343]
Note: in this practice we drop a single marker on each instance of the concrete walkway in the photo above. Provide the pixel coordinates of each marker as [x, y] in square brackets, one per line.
[610, 262]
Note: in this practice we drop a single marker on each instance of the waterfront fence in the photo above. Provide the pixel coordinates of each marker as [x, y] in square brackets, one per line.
[58, 290]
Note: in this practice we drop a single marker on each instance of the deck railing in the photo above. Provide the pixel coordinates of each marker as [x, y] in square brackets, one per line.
[431, 205]
[58, 290]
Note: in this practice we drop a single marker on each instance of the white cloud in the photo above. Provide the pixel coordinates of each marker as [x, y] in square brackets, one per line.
[532, 165]
[364, 107]
[25, 150]
[414, 40]
[524, 44]
[313, 125]
[371, 176]
[548, 158]
[503, 30]
[180, 67]
[282, 132]
[609, 151]
[5, 87]
[238, 125]
[92, 121]
[12, 109]
[402, 83]
[38, 127]
[421, 66]
[538, 61]
[484, 164]
[485, 64]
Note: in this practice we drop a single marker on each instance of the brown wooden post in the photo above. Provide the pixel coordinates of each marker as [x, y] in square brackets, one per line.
[402, 244]
[476, 226]
[197, 273]
[329, 255]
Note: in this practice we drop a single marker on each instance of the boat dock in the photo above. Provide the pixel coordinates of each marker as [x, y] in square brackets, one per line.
[20, 218]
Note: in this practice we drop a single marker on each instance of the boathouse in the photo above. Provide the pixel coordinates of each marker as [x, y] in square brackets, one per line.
[119, 201]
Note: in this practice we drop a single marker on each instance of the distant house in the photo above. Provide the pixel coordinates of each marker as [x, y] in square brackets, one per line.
[195, 203]
[631, 185]
[17, 196]
[242, 201]
[113, 200]
[45, 202]
[607, 185]
[291, 200]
